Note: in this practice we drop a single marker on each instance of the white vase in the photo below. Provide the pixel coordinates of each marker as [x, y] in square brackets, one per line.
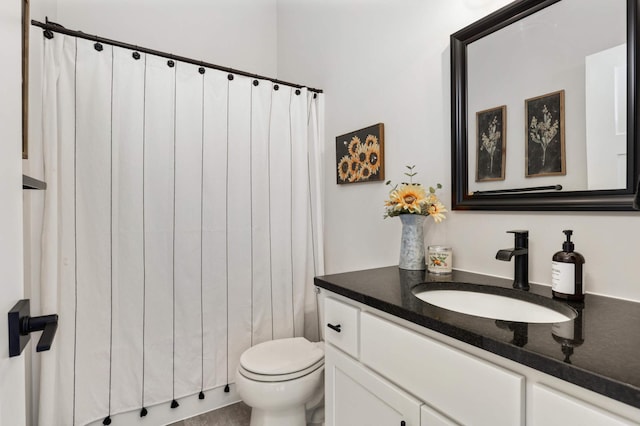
[412, 243]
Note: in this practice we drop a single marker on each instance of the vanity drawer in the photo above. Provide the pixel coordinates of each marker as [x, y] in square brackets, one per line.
[341, 325]
[461, 386]
[550, 406]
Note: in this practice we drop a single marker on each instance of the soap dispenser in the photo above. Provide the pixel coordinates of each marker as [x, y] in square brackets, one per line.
[567, 272]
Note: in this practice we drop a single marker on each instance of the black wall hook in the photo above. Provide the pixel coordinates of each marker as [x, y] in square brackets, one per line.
[21, 323]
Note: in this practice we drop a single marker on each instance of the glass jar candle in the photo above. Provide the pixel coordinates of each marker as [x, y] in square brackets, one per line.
[439, 259]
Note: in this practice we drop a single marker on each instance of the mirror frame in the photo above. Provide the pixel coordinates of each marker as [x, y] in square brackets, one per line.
[598, 200]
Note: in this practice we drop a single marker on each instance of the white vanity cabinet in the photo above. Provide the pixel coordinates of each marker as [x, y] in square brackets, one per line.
[382, 370]
[552, 407]
[355, 396]
[383, 374]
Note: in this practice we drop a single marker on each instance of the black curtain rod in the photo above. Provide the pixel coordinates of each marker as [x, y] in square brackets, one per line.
[51, 26]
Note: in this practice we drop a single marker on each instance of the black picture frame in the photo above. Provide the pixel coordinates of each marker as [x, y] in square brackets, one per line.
[491, 144]
[544, 129]
[360, 155]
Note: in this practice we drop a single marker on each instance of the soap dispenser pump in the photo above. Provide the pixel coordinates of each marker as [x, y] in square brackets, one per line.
[567, 271]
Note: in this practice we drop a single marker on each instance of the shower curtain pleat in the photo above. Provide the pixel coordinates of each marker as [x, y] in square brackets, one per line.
[214, 228]
[93, 226]
[179, 226]
[57, 372]
[261, 212]
[159, 173]
[299, 205]
[127, 236]
[188, 210]
[238, 206]
[280, 165]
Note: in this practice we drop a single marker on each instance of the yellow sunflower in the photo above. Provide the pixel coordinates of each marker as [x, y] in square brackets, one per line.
[354, 170]
[344, 168]
[365, 171]
[437, 210]
[361, 154]
[354, 145]
[371, 140]
[373, 158]
[408, 198]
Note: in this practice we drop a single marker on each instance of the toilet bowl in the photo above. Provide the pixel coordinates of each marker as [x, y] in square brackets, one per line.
[280, 380]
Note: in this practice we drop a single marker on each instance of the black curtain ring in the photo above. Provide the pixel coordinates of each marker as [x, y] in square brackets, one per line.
[230, 77]
[256, 82]
[48, 34]
[171, 63]
[276, 87]
[136, 55]
[98, 46]
[298, 91]
[201, 70]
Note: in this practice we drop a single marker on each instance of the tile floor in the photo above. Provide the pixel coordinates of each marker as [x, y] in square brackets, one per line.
[237, 414]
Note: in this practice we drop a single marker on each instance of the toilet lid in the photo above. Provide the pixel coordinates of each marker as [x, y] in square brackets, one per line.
[282, 356]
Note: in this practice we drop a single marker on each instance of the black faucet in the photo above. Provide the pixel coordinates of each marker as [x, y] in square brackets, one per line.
[521, 252]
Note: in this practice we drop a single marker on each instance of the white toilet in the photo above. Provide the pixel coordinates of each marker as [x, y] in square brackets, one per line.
[281, 379]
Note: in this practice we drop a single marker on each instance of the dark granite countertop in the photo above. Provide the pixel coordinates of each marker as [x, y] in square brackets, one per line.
[603, 355]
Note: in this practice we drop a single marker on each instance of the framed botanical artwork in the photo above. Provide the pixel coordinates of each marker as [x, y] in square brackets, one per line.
[491, 143]
[360, 155]
[544, 127]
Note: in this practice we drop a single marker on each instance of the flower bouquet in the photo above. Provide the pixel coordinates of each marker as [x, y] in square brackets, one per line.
[412, 203]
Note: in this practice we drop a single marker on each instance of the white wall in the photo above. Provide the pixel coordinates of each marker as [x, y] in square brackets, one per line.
[388, 61]
[240, 34]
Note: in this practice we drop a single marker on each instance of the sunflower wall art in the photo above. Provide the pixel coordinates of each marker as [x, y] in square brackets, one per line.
[360, 155]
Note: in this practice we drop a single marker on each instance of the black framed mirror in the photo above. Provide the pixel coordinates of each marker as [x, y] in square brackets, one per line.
[506, 103]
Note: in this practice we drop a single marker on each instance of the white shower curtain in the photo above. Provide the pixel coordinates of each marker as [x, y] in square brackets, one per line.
[182, 225]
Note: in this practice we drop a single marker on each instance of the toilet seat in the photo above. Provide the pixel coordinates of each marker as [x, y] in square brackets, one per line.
[281, 360]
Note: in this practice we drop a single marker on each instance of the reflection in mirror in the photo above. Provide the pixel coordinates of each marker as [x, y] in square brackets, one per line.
[574, 46]
[560, 78]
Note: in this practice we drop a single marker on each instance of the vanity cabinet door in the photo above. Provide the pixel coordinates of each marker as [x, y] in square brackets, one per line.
[465, 388]
[552, 407]
[355, 396]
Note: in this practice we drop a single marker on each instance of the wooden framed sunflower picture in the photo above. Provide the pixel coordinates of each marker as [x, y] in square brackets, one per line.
[360, 155]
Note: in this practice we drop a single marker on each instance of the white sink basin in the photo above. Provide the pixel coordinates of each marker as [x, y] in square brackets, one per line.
[498, 306]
